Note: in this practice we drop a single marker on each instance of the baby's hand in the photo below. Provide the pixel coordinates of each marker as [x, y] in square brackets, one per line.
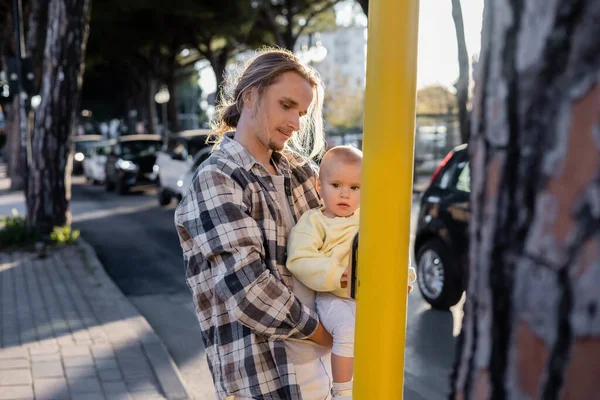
[344, 279]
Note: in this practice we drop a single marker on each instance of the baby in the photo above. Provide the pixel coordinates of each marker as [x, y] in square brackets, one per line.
[319, 256]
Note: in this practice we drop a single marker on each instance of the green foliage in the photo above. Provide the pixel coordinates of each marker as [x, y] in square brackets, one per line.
[14, 232]
[435, 99]
[64, 235]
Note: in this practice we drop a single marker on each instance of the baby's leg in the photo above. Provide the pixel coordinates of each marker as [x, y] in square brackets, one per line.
[338, 317]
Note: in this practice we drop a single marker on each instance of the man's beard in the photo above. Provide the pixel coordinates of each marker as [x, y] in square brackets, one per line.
[273, 146]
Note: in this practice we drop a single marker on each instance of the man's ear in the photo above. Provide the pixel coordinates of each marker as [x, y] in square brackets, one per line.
[248, 98]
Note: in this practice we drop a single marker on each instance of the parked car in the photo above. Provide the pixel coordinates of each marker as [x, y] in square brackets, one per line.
[130, 162]
[200, 157]
[94, 163]
[441, 242]
[81, 144]
[175, 160]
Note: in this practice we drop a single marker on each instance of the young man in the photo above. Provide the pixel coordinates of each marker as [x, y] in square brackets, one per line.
[233, 224]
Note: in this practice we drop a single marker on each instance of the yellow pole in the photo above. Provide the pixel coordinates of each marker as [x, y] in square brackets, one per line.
[386, 196]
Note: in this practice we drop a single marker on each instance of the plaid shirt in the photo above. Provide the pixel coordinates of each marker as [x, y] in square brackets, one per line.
[234, 251]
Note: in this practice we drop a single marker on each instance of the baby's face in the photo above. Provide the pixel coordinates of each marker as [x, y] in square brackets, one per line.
[340, 188]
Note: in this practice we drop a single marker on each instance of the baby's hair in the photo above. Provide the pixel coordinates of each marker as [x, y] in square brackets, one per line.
[345, 154]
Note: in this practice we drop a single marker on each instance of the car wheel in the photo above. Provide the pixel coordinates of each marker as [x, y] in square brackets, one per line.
[438, 276]
[163, 197]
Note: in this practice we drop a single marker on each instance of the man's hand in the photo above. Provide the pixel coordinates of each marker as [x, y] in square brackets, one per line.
[321, 336]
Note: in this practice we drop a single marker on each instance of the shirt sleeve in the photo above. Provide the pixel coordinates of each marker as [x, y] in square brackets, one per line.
[311, 267]
[215, 223]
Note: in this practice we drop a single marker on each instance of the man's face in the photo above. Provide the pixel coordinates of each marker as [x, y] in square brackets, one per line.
[340, 188]
[280, 109]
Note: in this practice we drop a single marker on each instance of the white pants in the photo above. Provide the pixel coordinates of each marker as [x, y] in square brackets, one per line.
[314, 379]
[338, 316]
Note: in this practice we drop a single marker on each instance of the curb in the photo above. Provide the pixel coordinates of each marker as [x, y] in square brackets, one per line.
[165, 369]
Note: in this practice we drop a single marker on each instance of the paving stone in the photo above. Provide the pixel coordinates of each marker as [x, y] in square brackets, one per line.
[85, 385]
[114, 387]
[79, 361]
[88, 396]
[21, 392]
[51, 388]
[18, 363]
[102, 351]
[75, 350]
[47, 369]
[110, 375]
[45, 357]
[15, 377]
[44, 349]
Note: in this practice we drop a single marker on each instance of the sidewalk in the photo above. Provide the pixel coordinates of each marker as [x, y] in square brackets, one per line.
[67, 332]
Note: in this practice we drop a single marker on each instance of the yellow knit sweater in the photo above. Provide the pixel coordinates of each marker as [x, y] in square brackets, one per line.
[319, 249]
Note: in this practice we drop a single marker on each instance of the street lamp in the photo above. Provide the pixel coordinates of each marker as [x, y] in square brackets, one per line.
[162, 98]
[36, 101]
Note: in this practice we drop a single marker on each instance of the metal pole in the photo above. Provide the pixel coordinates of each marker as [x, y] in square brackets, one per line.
[385, 224]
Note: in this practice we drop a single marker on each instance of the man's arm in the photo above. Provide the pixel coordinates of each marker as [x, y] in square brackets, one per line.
[215, 219]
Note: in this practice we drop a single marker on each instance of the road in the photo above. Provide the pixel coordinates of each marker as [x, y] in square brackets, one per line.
[136, 242]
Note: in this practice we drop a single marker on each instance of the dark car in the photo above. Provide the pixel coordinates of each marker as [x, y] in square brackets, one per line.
[81, 146]
[441, 242]
[130, 162]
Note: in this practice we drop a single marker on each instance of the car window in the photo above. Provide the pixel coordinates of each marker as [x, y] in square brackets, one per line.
[179, 150]
[171, 144]
[139, 148]
[464, 179]
[194, 145]
[102, 150]
[200, 159]
[449, 175]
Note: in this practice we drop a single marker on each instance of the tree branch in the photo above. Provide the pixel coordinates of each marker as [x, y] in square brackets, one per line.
[312, 15]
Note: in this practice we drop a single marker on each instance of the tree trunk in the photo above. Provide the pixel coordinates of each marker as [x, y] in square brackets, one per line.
[15, 163]
[218, 62]
[462, 86]
[172, 105]
[531, 328]
[36, 37]
[151, 105]
[49, 177]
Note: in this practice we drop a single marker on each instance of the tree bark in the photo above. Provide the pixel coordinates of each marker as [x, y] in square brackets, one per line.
[218, 62]
[49, 177]
[531, 328]
[151, 104]
[15, 163]
[172, 105]
[36, 37]
[462, 86]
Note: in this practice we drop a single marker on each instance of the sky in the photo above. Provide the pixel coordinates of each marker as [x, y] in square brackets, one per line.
[438, 58]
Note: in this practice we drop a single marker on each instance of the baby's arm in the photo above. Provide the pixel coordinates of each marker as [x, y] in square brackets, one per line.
[309, 265]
